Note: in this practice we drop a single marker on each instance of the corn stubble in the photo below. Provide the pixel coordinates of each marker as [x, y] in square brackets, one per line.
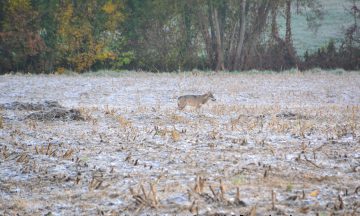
[283, 147]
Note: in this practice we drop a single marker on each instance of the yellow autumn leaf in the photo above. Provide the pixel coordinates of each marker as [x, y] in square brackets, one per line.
[315, 193]
[105, 55]
[175, 135]
[109, 7]
[60, 70]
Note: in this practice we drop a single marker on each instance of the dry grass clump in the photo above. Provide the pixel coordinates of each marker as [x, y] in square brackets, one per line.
[23, 158]
[145, 198]
[5, 152]
[109, 110]
[96, 183]
[1, 122]
[124, 123]
[54, 151]
[68, 154]
[49, 150]
[164, 132]
[204, 193]
[86, 113]
[175, 135]
[32, 124]
[56, 114]
[177, 118]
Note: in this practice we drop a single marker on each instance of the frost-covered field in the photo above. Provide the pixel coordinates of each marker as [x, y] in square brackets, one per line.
[271, 144]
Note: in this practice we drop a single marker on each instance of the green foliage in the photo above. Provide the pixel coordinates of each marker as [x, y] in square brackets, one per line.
[159, 35]
[47, 35]
[20, 44]
[85, 34]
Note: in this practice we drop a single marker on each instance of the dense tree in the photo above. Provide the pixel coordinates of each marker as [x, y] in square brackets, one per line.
[20, 41]
[85, 30]
[75, 34]
[158, 35]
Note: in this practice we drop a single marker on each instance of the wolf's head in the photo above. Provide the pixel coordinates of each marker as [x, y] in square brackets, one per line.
[211, 96]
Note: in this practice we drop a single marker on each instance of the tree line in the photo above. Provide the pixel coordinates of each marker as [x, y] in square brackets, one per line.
[44, 36]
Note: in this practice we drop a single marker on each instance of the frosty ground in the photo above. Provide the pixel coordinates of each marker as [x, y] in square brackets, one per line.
[284, 144]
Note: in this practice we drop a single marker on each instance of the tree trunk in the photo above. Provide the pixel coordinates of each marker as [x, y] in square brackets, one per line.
[288, 36]
[274, 27]
[204, 27]
[240, 45]
[187, 25]
[186, 51]
[212, 33]
[259, 23]
[288, 22]
[219, 47]
[232, 46]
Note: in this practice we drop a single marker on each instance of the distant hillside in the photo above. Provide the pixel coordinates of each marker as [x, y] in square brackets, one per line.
[336, 19]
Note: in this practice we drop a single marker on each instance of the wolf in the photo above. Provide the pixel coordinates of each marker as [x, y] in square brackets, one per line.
[194, 100]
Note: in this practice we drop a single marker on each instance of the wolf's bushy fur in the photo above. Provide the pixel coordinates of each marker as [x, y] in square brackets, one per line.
[194, 100]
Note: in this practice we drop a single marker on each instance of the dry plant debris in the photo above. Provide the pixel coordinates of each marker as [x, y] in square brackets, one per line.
[271, 144]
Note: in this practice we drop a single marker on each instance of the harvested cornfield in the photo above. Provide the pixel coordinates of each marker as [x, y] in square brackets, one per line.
[271, 144]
